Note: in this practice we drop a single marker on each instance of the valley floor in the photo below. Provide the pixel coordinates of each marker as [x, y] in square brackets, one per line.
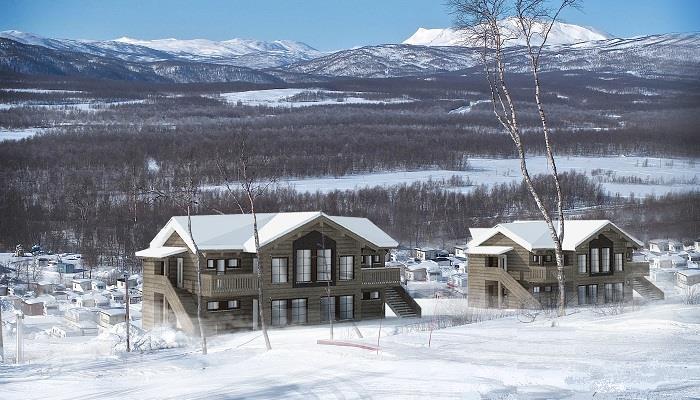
[651, 352]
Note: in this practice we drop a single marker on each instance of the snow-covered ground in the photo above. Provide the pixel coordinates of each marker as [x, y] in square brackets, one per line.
[19, 134]
[285, 98]
[650, 352]
[82, 106]
[664, 175]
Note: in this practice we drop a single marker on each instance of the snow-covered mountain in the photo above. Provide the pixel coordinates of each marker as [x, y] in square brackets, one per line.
[230, 52]
[561, 34]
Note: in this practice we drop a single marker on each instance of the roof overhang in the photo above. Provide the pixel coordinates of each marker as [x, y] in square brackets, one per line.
[160, 252]
[489, 250]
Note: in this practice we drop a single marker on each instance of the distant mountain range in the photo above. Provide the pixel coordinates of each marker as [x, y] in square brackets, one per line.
[426, 52]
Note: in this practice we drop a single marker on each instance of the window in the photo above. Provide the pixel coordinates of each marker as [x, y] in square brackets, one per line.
[212, 305]
[279, 270]
[595, 260]
[161, 268]
[279, 312]
[303, 266]
[233, 263]
[605, 259]
[347, 268]
[220, 266]
[232, 304]
[629, 256]
[548, 258]
[581, 261]
[323, 265]
[492, 262]
[547, 288]
[346, 307]
[373, 295]
[299, 311]
[618, 262]
[619, 292]
[375, 258]
[366, 261]
[535, 289]
[327, 308]
[592, 294]
[536, 259]
[210, 264]
[582, 295]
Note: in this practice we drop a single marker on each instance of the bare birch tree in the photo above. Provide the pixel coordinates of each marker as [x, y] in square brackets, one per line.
[250, 185]
[481, 22]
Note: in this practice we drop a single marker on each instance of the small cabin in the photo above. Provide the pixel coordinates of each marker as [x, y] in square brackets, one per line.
[111, 317]
[687, 278]
[81, 285]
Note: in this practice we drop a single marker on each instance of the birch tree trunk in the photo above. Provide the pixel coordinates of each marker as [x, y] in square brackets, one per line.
[261, 314]
[199, 281]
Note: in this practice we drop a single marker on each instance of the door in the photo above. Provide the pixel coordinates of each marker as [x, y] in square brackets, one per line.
[180, 262]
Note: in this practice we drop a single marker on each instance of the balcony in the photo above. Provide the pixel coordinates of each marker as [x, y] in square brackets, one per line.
[546, 274]
[233, 284]
[381, 276]
[637, 268]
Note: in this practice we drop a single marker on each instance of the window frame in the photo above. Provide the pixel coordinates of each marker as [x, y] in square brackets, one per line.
[370, 295]
[584, 264]
[295, 314]
[346, 303]
[324, 265]
[278, 312]
[237, 266]
[345, 274]
[277, 274]
[619, 264]
[303, 269]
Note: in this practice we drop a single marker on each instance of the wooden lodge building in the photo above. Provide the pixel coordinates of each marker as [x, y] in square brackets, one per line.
[513, 265]
[314, 267]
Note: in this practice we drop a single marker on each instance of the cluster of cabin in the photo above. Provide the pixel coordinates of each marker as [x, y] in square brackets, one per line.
[672, 262]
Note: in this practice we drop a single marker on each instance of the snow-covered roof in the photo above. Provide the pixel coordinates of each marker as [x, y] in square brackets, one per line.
[159, 252]
[113, 311]
[489, 250]
[535, 234]
[235, 231]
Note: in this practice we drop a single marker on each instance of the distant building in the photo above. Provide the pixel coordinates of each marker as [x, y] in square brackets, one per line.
[665, 245]
[687, 278]
[81, 285]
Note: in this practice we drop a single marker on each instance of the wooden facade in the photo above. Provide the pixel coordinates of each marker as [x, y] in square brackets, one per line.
[230, 294]
[528, 278]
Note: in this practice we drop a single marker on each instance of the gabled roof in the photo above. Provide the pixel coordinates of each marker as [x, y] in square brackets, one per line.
[533, 235]
[235, 231]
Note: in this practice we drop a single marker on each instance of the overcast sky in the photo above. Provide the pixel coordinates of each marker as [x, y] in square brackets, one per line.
[324, 24]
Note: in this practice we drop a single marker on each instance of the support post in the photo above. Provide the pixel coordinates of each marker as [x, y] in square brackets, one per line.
[20, 333]
[500, 295]
[128, 321]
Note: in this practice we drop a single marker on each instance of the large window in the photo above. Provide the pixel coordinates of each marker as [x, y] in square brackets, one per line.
[323, 265]
[614, 292]
[587, 294]
[619, 258]
[279, 312]
[303, 265]
[299, 311]
[279, 270]
[605, 259]
[346, 307]
[347, 268]
[595, 260]
[327, 308]
[581, 261]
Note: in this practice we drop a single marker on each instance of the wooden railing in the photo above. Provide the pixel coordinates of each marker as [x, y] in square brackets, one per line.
[381, 276]
[637, 268]
[233, 284]
[546, 274]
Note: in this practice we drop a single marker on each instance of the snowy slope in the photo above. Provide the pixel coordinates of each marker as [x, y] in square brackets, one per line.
[561, 33]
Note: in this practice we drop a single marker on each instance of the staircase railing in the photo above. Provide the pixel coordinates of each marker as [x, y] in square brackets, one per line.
[175, 303]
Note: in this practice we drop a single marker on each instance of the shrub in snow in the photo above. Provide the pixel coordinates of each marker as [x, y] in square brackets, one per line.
[142, 341]
[692, 295]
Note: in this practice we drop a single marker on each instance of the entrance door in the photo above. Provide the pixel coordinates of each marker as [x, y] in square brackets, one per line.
[180, 263]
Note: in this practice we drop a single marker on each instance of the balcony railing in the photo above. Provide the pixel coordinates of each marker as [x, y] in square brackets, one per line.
[546, 274]
[637, 268]
[381, 276]
[236, 284]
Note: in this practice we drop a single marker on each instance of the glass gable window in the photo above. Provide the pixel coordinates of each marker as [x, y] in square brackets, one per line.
[303, 266]
[279, 270]
[595, 260]
[279, 312]
[347, 268]
[299, 311]
[605, 259]
[323, 265]
[581, 261]
[346, 307]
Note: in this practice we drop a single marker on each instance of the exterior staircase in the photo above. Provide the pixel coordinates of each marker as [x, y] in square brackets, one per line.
[182, 302]
[647, 289]
[401, 303]
[515, 289]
